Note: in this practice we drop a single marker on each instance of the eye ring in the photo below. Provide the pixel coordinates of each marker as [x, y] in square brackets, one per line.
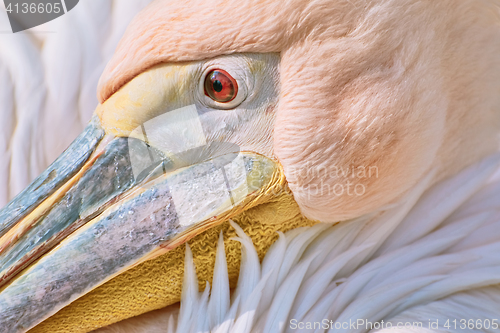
[220, 86]
[239, 79]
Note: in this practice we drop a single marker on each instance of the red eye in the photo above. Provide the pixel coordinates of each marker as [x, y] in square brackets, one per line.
[220, 86]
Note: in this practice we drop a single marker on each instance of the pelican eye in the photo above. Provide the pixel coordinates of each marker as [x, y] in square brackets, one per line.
[220, 86]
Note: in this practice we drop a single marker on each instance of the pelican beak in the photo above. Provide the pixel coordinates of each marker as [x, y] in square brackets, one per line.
[131, 187]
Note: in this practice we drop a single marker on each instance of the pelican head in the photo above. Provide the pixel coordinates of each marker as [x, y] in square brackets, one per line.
[209, 108]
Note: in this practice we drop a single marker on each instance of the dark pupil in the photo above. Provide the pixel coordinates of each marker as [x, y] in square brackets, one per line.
[217, 86]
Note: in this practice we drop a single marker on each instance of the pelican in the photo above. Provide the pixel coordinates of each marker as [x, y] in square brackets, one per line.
[368, 131]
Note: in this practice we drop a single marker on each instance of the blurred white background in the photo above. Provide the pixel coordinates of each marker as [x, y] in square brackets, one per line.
[48, 80]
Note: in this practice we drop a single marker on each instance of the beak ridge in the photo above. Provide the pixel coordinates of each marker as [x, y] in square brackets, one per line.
[66, 166]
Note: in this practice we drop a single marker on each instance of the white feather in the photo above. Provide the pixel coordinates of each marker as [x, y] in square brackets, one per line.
[250, 266]
[51, 83]
[219, 300]
[189, 297]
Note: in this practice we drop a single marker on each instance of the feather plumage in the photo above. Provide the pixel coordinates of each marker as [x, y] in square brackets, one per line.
[440, 273]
